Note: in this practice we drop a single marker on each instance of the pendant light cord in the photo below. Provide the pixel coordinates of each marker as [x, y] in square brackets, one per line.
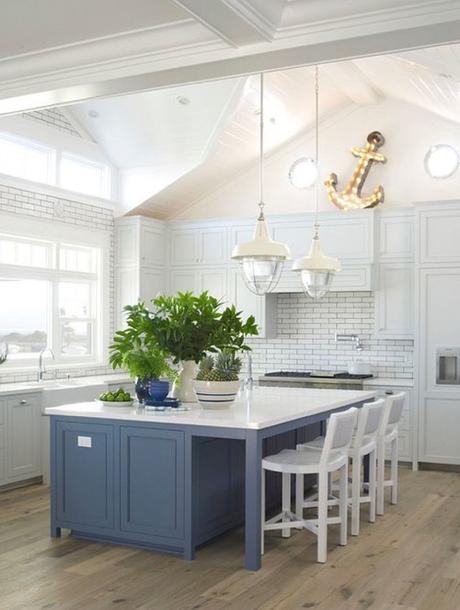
[316, 235]
[261, 149]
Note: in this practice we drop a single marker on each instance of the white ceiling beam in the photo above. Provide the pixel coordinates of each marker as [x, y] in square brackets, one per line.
[242, 63]
[351, 81]
[238, 22]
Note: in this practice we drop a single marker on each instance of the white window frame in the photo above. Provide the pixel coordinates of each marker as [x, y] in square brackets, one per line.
[106, 173]
[65, 235]
[55, 154]
[33, 144]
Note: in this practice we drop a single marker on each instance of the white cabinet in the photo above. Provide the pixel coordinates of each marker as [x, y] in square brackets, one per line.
[395, 234]
[394, 301]
[140, 262]
[263, 308]
[197, 280]
[20, 434]
[439, 228]
[203, 245]
[407, 438]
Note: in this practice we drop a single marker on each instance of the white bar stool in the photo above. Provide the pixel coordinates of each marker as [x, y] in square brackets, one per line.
[332, 458]
[388, 435]
[364, 442]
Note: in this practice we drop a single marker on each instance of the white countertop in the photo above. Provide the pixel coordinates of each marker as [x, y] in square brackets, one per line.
[59, 384]
[260, 408]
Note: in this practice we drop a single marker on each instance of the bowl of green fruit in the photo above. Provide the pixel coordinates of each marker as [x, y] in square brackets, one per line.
[120, 398]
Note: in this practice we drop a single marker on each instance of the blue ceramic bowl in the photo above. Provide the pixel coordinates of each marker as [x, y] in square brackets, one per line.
[158, 390]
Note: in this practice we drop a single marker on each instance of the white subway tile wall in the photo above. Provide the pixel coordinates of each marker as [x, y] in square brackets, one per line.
[305, 337]
[59, 210]
[53, 117]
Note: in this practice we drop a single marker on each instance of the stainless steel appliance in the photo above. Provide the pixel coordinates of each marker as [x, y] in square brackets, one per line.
[448, 366]
[340, 380]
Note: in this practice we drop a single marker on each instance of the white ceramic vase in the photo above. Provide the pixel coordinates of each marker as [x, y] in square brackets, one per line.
[216, 394]
[183, 389]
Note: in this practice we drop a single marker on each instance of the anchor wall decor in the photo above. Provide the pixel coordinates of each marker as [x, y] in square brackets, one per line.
[350, 198]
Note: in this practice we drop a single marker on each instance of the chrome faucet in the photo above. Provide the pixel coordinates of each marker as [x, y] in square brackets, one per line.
[357, 344]
[249, 381]
[41, 367]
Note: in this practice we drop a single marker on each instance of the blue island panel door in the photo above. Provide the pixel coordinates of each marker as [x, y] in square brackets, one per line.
[152, 483]
[85, 476]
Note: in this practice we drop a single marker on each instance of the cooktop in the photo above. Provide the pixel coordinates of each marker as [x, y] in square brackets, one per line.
[318, 375]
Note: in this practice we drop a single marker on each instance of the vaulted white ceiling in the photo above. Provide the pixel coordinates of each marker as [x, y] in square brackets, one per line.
[172, 154]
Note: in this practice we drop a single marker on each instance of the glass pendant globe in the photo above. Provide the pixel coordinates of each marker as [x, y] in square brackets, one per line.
[303, 173]
[261, 275]
[316, 283]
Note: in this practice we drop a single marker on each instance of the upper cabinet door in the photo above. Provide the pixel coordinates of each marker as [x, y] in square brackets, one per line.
[184, 247]
[396, 234]
[126, 244]
[152, 284]
[152, 248]
[394, 300]
[182, 280]
[213, 246]
[214, 281]
[439, 230]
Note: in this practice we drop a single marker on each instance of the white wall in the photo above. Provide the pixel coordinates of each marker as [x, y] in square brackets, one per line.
[409, 132]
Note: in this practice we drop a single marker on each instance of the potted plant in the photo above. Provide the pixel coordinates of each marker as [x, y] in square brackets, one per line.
[188, 326]
[217, 382]
[135, 349]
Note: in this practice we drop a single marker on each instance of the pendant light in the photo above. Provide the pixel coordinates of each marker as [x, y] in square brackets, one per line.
[261, 258]
[316, 270]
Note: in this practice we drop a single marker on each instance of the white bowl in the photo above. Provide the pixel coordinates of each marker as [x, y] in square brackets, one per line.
[114, 403]
[216, 394]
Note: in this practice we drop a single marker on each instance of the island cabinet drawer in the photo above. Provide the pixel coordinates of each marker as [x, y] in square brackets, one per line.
[85, 476]
[152, 482]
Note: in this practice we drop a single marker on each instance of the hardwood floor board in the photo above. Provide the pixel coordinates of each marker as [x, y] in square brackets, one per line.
[408, 560]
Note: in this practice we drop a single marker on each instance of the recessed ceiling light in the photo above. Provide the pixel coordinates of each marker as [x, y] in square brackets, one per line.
[94, 114]
[441, 161]
[182, 99]
[303, 173]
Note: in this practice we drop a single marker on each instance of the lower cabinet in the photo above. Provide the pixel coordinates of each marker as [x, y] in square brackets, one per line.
[85, 473]
[152, 483]
[20, 433]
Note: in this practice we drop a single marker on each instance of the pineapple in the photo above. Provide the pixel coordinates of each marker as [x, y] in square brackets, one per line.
[224, 367]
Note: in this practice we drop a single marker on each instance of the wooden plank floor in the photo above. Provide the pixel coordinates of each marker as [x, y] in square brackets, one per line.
[408, 560]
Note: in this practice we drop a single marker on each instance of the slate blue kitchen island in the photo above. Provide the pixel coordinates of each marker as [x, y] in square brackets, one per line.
[171, 481]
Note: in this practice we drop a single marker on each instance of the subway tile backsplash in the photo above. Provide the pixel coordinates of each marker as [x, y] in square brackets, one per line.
[305, 337]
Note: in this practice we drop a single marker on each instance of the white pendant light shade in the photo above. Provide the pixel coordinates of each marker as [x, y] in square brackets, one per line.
[317, 270]
[261, 259]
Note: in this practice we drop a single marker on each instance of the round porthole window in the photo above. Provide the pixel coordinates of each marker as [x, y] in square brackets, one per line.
[441, 161]
[303, 173]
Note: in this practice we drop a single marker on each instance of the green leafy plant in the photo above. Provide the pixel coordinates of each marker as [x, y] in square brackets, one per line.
[225, 366]
[188, 326]
[135, 348]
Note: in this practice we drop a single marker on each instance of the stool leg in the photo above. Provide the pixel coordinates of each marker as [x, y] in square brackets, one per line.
[286, 504]
[322, 517]
[262, 521]
[381, 478]
[372, 485]
[343, 504]
[299, 495]
[355, 493]
[394, 471]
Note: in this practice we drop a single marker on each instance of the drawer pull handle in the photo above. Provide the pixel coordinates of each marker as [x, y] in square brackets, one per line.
[23, 402]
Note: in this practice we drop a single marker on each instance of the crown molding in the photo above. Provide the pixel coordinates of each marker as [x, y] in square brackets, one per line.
[238, 22]
[385, 16]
